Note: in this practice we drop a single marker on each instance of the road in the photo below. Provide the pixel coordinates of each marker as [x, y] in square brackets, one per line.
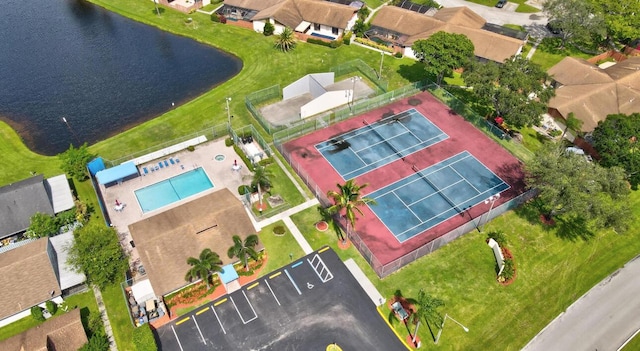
[505, 15]
[603, 319]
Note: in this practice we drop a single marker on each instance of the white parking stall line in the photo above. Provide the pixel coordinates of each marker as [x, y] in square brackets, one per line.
[237, 310]
[177, 339]
[272, 293]
[292, 282]
[199, 331]
[218, 318]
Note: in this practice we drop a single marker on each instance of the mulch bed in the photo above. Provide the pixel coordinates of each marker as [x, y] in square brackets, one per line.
[322, 226]
[547, 221]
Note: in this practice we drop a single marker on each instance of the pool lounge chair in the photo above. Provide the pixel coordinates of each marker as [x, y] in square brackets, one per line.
[166, 164]
[172, 161]
[160, 164]
[146, 171]
[177, 160]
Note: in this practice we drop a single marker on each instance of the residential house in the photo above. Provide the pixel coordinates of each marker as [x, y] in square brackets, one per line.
[21, 200]
[321, 19]
[592, 93]
[399, 28]
[33, 272]
[62, 333]
[165, 241]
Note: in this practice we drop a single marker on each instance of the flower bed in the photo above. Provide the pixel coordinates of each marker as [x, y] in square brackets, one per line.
[322, 226]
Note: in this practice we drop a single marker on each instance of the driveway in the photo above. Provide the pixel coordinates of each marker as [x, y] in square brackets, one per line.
[603, 319]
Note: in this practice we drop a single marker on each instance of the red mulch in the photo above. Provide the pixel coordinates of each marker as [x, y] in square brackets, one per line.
[322, 226]
[343, 245]
[548, 221]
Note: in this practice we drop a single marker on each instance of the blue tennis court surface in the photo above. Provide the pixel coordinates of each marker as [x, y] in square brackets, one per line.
[432, 195]
[362, 150]
[173, 189]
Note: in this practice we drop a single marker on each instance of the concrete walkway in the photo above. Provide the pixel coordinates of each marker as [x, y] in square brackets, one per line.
[297, 235]
[105, 319]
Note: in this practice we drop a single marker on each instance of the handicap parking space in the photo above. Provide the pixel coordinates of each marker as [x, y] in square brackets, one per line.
[291, 308]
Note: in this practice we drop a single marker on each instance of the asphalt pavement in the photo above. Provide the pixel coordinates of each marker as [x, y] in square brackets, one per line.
[603, 319]
[505, 15]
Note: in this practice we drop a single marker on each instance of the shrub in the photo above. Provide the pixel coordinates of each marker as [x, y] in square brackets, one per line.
[265, 162]
[334, 44]
[243, 157]
[508, 272]
[278, 230]
[268, 29]
[318, 42]
[223, 19]
[51, 306]
[373, 44]
[191, 148]
[346, 38]
[42, 225]
[228, 142]
[215, 18]
[498, 236]
[398, 55]
[143, 338]
[244, 189]
[96, 343]
[37, 314]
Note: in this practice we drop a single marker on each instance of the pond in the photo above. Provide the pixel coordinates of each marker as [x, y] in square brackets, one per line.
[72, 72]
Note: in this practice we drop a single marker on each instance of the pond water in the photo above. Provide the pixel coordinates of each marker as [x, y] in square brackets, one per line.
[69, 60]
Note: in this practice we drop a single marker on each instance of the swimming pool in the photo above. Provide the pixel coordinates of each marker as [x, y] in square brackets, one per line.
[174, 189]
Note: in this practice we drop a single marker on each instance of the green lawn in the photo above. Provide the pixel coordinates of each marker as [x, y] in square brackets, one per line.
[118, 313]
[547, 57]
[552, 272]
[85, 301]
[278, 248]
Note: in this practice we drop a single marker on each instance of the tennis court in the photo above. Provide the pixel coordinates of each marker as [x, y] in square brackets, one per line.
[434, 194]
[374, 145]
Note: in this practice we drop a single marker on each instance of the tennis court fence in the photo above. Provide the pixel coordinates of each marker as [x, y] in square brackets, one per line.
[383, 270]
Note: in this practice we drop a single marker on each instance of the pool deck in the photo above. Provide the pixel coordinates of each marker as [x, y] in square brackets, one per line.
[221, 174]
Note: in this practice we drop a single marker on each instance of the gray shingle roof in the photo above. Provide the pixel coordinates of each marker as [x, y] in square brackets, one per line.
[19, 201]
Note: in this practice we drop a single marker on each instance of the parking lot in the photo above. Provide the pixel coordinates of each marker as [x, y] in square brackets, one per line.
[312, 302]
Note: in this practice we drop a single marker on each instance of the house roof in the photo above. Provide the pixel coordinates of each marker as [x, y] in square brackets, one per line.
[61, 333]
[60, 192]
[166, 240]
[459, 20]
[21, 200]
[403, 21]
[27, 277]
[592, 93]
[460, 16]
[293, 12]
[67, 276]
[252, 4]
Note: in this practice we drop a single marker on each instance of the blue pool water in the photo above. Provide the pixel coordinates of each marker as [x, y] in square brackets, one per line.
[174, 189]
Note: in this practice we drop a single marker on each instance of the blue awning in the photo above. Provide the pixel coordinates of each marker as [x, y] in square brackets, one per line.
[228, 274]
[96, 165]
[117, 173]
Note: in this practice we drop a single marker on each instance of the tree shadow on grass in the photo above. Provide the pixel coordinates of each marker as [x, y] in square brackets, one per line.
[532, 212]
[407, 304]
[160, 10]
[415, 72]
[573, 228]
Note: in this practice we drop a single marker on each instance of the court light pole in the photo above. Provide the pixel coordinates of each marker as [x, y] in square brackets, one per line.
[381, 60]
[491, 200]
[228, 112]
[353, 91]
[442, 326]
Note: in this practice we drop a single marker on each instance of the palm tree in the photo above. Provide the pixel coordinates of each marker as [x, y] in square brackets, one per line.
[348, 198]
[204, 266]
[571, 123]
[243, 250]
[286, 40]
[427, 310]
[261, 179]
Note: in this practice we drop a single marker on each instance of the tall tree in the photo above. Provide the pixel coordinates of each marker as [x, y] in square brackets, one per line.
[620, 18]
[572, 187]
[244, 249]
[443, 52]
[42, 225]
[576, 20]
[616, 140]
[74, 161]
[427, 310]
[286, 40]
[96, 251]
[261, 180]
[515, 89]
[202, 267]
[571, 124]
[348, 199]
